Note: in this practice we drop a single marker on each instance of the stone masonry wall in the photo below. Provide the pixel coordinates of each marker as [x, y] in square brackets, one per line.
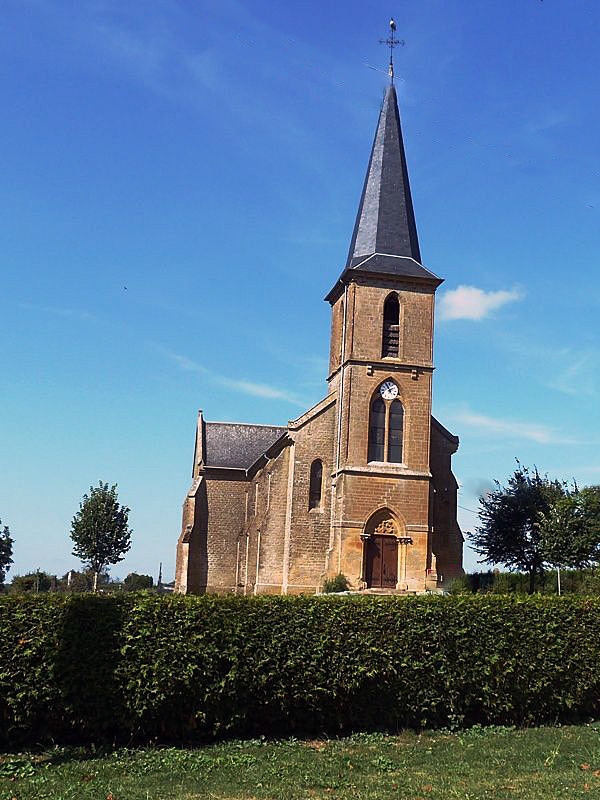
[287, 541]
[337, 321]
[226, 509]
[310, 529]
[364, 334]
[364, 488]
[359, 498]
[447, 543]
[264, 533]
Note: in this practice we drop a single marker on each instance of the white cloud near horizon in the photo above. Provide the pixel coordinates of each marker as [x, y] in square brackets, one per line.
[535, 432]
[469, 302]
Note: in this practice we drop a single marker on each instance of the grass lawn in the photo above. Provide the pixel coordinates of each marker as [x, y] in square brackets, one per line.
[502, 763]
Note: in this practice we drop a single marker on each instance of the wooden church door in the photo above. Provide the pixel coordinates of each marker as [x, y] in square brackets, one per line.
[382, 562]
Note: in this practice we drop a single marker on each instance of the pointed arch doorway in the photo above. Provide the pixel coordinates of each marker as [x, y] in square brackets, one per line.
[380, 556]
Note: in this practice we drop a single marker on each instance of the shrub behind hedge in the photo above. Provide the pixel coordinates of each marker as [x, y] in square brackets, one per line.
[147, 667]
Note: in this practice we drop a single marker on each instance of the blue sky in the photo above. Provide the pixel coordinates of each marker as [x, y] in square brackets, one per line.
[179, 186]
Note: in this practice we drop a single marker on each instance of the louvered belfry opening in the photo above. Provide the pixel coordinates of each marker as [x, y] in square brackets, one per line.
[391, 327]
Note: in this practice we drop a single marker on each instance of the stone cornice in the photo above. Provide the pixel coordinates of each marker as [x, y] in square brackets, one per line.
[384, 365]
[381, 469]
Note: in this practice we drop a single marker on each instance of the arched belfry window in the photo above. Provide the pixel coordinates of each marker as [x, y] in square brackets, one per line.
[316, 484]
[386, 425]
[391, 327]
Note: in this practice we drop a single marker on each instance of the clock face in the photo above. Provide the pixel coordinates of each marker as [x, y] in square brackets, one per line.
[388, 390]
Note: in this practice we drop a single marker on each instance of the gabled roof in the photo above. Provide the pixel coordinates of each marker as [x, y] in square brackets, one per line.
[437, 425]
[385, 238]
[235, 445]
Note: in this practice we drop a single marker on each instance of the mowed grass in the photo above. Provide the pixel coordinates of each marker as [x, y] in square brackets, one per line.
[501, 763]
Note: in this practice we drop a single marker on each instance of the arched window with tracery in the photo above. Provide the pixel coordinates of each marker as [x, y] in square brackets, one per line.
[377, 431]
[315, 491]
[390, 346]
[386, 425]
[395, 431]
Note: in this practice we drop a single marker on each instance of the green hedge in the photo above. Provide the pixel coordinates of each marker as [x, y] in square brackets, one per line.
[146, 667]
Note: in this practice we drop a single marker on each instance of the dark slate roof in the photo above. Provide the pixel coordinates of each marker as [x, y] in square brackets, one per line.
[385, 222]
[398, 265]
[237, 445]
[385, 237]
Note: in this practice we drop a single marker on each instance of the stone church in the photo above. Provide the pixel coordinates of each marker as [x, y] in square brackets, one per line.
[360, 484]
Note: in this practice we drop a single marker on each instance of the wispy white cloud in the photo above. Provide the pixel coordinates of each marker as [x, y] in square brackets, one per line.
[548, 120]
[154, 56]
[185, 363]
[308, 371]
[68, 313]
[578, 376]
[511, 428]
[251, 388]
[175, 51]
[258, 390]
[572, 370]
[469, 302]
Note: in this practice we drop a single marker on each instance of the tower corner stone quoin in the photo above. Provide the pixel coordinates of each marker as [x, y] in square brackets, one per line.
[361, 483]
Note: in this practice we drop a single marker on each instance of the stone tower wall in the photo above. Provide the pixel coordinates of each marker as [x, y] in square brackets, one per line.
[447, 541]
[287, 542]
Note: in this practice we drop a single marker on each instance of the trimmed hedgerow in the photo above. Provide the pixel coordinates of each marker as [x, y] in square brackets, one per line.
[57, 667]
[149, 667]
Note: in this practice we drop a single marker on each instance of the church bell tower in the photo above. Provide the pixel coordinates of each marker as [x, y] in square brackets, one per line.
[381, 366]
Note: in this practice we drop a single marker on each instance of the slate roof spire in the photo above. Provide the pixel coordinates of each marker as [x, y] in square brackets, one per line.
[385, 238]
[386, 221]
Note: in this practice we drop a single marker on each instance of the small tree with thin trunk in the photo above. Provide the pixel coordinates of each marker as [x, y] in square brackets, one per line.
[6, 550]
[100, 529]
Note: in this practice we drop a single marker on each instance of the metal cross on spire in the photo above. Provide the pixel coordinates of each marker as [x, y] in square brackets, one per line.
[391, 42]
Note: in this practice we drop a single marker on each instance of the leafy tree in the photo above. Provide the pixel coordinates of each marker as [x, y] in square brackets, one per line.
[100, 529]
[510, 532]
[460, 585]
[6, 551]
[32, 583]
[77, 582]
[571, 529]
[590, 582]
[134, 582]
[74, 581]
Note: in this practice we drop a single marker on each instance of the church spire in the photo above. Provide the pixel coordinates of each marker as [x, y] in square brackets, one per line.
[385, 241]
[385, 224]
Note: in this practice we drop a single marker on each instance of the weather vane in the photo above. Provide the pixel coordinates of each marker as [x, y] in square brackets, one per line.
[392, 42]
